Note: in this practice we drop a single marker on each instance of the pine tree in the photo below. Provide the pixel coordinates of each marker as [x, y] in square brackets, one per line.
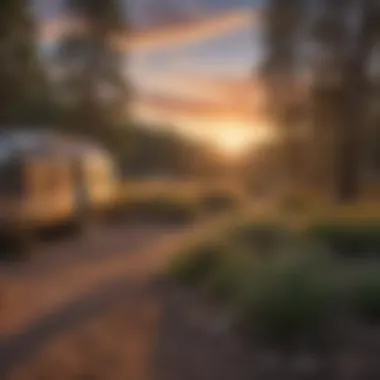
[93, 66]
[346, 33]
[22, 82]
[283, 31]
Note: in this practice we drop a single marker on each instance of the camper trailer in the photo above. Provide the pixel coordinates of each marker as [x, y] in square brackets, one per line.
[49, 180]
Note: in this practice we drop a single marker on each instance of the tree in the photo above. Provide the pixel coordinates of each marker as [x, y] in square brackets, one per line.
[342, 89]
[92, 82]
[329, 34]
[161, 151]
[344, 33]
[283, 30]
[23, 87]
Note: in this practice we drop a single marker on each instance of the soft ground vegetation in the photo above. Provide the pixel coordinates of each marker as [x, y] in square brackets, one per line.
[174, 201]
[289, 282]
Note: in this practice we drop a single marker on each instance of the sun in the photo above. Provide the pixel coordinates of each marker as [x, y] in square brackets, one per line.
[231, 139]
[236, 140]
[233, 142]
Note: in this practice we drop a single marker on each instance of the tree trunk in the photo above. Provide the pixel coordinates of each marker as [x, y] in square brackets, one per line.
[348, 138]
[352, 112]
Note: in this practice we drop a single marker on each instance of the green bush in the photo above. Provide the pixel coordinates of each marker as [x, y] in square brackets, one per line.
[196, 264]
[347, 238]
[260, 237]
[296, 286]
[226, 281]
[364, 293]
[286, 299]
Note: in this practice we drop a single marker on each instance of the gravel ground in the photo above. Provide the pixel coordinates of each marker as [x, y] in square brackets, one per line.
[94, 309]
[156, 332]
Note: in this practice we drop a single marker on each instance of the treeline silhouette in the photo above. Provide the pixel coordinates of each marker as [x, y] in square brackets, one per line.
[321, 67]
[79, 86]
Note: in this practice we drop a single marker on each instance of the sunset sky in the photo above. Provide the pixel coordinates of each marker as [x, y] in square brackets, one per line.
[191, 63]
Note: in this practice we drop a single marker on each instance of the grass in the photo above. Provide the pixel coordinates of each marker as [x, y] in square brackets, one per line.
[363, 292]
[285, 299]
[173, 202]
[197, 263]
[348, 238]
[282, 281]
[261, 238]
[226, 279]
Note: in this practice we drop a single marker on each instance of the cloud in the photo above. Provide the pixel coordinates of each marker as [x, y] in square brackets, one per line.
[238, 101]
[160, 37]
[240, 92]
[174, 110]
[192, 31]
[221, 124]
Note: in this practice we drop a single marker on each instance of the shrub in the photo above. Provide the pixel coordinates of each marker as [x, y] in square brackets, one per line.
[260, 237]
[348, 239]
[286, 299]
[364, 293]
[196, 264]
[226, 281]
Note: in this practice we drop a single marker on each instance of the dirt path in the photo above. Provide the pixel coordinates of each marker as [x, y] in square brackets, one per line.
[53, 300]
[126, 330]
[69, 283]
[92, 309]
[71, 270]
[103, 314]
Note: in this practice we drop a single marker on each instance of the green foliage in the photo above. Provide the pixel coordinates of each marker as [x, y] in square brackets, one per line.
[285, 296]
[226, 281]
[196, 264]
[91, 61]
[364, 293]
[261, 238]
[171, 155]
[23, 86]
[283, 34]
[166, 200]
[293, 291]
[322, 134]
[288, 298]
[346, 238]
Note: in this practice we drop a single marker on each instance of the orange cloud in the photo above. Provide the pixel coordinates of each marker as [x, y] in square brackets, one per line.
[237, 101]
[227, 93]
[175, 110]
[225, 125]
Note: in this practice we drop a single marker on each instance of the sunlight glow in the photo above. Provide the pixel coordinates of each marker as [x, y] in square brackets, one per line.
[233, 138]
[235, 141]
